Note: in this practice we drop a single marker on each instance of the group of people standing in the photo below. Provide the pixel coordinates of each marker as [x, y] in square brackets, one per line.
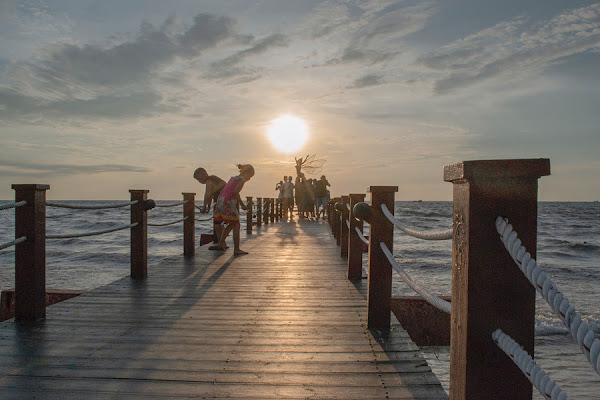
[310, 196]
[226, 197]
[286, 194]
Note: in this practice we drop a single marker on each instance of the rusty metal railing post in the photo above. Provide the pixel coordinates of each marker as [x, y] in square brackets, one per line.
[336, 219]
[249, 214]
[379, 291]
[488, 289]
[259, 209]
[343, 226]
[30, 255]
[139, 234]
[189, 231]
[355, 245]
[330, 211]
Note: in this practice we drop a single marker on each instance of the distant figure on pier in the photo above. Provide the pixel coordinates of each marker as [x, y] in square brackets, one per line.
[322, 197]
[278, 187]
[214, 185]
[287, 195]
[227, 208]
[311, 189]
[305, 188]
[300, 193]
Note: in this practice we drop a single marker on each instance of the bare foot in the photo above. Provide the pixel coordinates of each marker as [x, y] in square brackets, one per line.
[218, 247]
[239, 252]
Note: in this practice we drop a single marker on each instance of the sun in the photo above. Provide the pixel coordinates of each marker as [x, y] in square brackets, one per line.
[287, 133]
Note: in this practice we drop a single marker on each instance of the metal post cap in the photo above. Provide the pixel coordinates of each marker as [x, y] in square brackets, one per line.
[149, 204]
[362, 210]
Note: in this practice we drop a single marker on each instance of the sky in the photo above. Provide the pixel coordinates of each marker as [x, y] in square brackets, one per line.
[100, 97]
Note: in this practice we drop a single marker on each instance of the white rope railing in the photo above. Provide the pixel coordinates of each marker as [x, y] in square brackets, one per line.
[361, 236]
[13, 205]
[77, 235]
[428, 297]
[536, 375]
[579, 329]
[439, 235]
[89, 207]
[203, 219]
[348, 224]
[173, 204]
[13, 242]
[168, 223]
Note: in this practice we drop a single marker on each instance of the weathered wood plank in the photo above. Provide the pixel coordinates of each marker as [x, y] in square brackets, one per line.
[282, 322]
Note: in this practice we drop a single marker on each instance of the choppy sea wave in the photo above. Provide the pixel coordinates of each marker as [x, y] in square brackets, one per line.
[568, 250]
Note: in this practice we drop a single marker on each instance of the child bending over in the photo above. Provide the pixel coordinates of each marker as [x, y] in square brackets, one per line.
[227, 208]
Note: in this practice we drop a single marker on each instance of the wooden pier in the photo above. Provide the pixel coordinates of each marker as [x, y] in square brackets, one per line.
[283, 322]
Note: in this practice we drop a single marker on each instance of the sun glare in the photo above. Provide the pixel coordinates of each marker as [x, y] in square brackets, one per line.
[287, 133]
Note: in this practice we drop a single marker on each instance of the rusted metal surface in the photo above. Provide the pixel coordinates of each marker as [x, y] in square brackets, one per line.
[249, 215]
[206, 238]
[53, 296]
[30, 256]
[426, 325]
[189, 230]
[355, 245]
[139, 235]
[380, 270]
[488, 289]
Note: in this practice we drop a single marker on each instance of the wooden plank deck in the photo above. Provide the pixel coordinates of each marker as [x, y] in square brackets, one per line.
[280, 323]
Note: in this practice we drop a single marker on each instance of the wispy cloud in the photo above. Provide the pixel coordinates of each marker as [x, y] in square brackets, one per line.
[229, 67]
[17, 105]
[514, 49]
[375, 29]
[23, 169]
[367, 80]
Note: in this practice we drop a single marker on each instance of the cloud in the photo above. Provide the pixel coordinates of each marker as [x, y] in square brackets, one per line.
[376, 31]
[14, 105]
[367, 80]
[513, 49]
[228, 67]
[365, 56]
[113, 80]
[22, 169]
[396, 20]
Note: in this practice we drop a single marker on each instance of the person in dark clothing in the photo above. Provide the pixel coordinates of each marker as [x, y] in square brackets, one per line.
[214, 185]
[321, 195]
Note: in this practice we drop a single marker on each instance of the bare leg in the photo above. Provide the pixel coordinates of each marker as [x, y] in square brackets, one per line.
[224, 235]
[219, 233]
[236, 240]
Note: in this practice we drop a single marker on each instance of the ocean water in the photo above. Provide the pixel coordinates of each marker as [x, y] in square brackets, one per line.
[568, 250]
